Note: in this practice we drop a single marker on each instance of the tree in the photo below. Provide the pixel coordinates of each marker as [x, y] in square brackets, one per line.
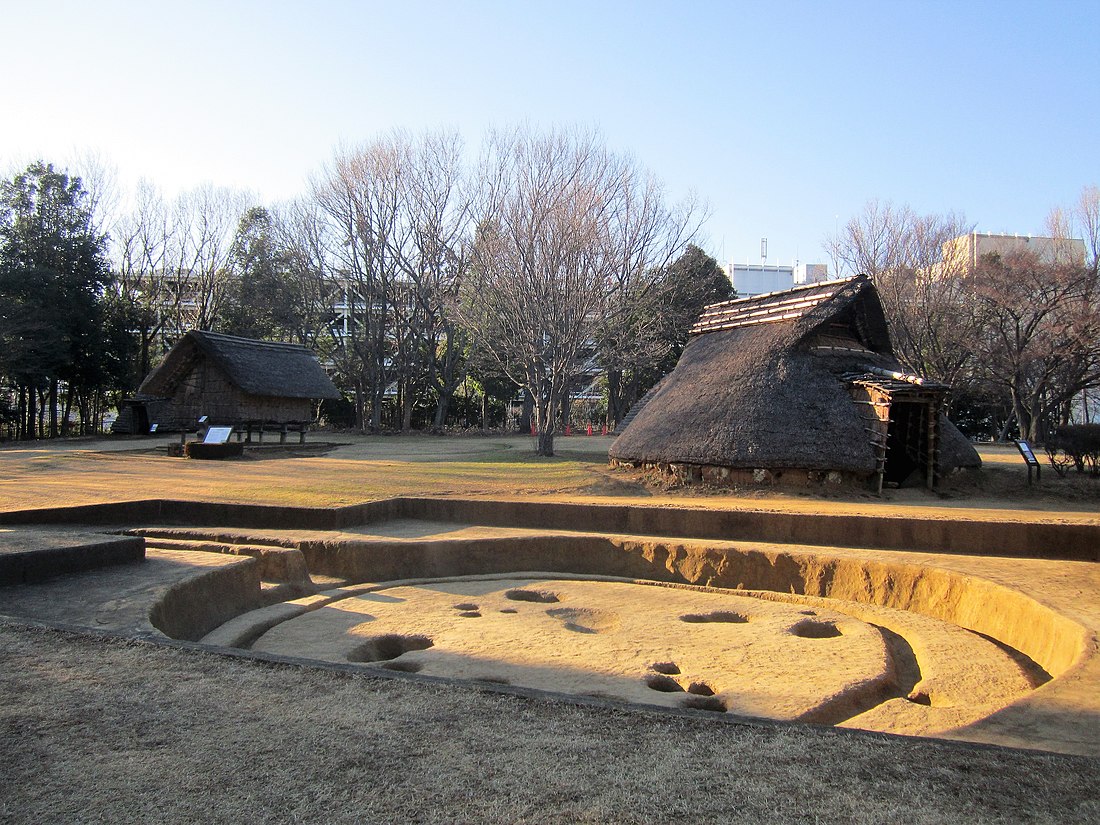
[361, 197]
[434, 259]
[199, 256]
[143, 243]
[920, 279]
[398, 212]
[1037, 339]
[569, 235]
[54, 277]
[262, 298]
[645, 342]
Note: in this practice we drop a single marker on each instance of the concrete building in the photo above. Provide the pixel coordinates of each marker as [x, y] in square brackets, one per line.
[757, 279]
[968, 249]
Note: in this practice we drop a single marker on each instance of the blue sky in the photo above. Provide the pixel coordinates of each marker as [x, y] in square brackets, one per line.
[785, 116]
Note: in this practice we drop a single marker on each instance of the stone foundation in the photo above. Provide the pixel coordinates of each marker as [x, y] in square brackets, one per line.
[687, 473]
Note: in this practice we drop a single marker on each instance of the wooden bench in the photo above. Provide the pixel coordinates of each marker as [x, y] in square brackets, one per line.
[282, 428]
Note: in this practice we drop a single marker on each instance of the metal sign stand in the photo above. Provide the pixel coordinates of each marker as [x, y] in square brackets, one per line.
[1032, 461]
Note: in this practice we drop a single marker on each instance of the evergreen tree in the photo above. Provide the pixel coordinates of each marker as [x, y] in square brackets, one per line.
[54, 279]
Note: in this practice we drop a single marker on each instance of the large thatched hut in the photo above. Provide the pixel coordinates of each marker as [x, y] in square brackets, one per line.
[800, 385]
[231, 381]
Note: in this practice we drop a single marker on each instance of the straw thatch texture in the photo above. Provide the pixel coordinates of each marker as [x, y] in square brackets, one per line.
[262, 368]
[761, 385]
[229, 380]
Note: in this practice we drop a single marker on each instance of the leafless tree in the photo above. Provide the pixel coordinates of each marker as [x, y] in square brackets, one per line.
[567, 228]
[439, 209]
[1037, 338]
[142, 241]
[302, 233]
[361, 195]
[1082, 222]
[872, 242]
[1088, 213]
[920, 277]
[645, 234]
[205, 222]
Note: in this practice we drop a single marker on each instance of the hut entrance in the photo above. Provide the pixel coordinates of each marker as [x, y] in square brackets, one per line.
[901, 415]
[907, 442]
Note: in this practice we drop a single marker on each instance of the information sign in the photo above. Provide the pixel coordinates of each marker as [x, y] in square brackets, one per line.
[1031, 461]
[217, 435]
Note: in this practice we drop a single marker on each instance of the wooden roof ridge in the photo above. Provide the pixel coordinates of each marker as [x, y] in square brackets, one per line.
[770, 307]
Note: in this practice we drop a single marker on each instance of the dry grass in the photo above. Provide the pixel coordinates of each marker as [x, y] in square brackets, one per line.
[106, 730]
[102, 730]
[371, 467]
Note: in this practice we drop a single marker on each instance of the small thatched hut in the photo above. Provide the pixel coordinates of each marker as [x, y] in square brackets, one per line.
[801, 385]
[231, 381]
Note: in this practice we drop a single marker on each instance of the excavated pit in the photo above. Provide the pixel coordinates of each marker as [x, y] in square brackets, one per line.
[852, 635]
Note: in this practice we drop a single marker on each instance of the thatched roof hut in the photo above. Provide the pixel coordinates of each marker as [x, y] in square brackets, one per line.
[230, 380]
[801, 384]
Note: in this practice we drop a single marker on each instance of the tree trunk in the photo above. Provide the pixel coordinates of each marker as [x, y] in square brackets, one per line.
[67, 411]
[360, 407]
[546, 414]
[615, 411]
[42, 397]
[378, 393]
[53, 408]
[21, 429]
[526, 412]
[442, 407]
[406, 409]
[545, 444]
[83, 404]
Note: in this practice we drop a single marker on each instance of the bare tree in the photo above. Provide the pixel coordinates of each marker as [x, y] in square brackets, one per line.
[302, 234]
[142, 242]
[1081, 221]
[1088, 213]
[439, 207]
[1037, 339]
[872, 242]
[205, 221]
[920, 277]
[361, 194]
[567, 226]
[645, 235]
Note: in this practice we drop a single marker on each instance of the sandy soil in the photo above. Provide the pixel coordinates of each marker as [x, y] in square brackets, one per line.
[784, 657]
[628, 641]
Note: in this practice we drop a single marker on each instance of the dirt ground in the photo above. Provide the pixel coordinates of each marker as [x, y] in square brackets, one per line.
[343, 468]
[96, 729]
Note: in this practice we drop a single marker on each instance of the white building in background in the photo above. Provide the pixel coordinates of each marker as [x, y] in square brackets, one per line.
[756, 279]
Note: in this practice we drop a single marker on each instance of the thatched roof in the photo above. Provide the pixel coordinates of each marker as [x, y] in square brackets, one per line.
[764, 383]
[261, 368]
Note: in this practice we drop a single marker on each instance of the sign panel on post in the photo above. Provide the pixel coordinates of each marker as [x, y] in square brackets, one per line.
[1031, 461]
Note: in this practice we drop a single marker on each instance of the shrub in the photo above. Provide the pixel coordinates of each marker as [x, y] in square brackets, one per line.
[1076, 445]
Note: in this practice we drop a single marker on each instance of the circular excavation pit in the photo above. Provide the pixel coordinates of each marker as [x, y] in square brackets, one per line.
[672, 646]
[897, 641]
